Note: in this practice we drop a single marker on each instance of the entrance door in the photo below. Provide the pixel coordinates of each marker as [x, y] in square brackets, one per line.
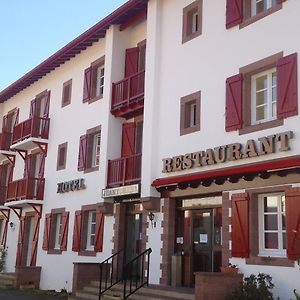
[28, 238]
[201, 242]
[133, 235]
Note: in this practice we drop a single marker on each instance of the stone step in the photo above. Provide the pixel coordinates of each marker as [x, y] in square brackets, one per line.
[4, 281]
[8, 276]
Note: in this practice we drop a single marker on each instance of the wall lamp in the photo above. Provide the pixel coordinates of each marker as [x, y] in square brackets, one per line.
[12, 226]
[151, 217]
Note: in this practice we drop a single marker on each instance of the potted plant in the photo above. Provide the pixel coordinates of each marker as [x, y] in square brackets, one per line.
[230, 268]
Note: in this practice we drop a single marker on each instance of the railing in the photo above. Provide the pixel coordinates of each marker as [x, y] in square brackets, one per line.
[5, 140]
[37, 127]
[125, 170]
[3, 191]
[127, 90]
[26, 188]
[134, 273]
[111, 271]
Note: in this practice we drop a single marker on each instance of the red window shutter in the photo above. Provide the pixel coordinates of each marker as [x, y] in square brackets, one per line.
[87, 85]
[4, 231]
[20, 242]
[16, 117]
[128, 139]
[234, 92]
[131, 61]
[77, 231]
[240, 225]
[4, 123]
[287, 86]
[47, 228]
[35, 240]
[28, 161]
[280, 1]
[47, 103]
[234, 13]
[293, 223]
[99, 231]
[82, 152]
[64, 233]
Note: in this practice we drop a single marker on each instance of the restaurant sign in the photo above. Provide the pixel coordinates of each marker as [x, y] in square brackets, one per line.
[121, 191]
[232, 152]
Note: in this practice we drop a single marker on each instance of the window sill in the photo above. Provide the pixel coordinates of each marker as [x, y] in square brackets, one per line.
[270, 261]
[54, 251]
[259, 16]
[188, 130]
[261, 126]
[91, 169]
[190, 37]
[87, 253]
[94, 99]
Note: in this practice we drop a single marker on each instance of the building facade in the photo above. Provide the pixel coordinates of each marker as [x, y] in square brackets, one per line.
[169, 125]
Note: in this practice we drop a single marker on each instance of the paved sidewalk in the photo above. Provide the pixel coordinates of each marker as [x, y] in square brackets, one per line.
[19, 295]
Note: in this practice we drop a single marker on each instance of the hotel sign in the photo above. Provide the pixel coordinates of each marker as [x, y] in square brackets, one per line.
[121, 191]
[72, 185]
[232, 152]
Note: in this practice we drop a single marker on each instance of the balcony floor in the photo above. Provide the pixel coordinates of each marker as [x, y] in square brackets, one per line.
[23, 203]
[28, 144]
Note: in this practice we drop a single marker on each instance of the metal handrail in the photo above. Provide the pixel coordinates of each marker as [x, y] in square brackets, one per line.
[112, 271]
[134, 272]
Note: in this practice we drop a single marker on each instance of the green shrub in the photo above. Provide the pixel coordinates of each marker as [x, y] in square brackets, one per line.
[254, 288]
[3, 254]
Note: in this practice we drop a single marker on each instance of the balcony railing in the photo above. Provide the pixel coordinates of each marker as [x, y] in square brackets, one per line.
[3, 190]
[128, 91]
[37, 127]
[26, 188]
[5, 140]
[124, 171]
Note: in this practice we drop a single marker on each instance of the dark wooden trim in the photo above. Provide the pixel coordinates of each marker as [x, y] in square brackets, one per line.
[185, 102]
[151, 203]
[187, 11]
[107, 208]
[95, 64]
[65, 102]
[63, 166]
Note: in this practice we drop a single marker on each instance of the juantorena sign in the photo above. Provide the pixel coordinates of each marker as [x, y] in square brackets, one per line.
[265, 145]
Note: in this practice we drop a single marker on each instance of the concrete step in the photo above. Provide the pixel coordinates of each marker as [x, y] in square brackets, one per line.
[11, 276]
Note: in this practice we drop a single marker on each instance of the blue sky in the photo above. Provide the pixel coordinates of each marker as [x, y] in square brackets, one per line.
[32, 30]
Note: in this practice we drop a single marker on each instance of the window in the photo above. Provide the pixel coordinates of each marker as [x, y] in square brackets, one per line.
[190, 113]
[89, 150]
[66, 93]
[246, 12]
[93, 87]
[96, 150]
[192, 21]
[58, 231]
[263, 94]
[88, 230]
[61, 156]
[259, 6]
[56, 227]
[272, 220]
[91, 230]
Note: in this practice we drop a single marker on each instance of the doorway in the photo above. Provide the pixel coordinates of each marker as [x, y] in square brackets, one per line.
[198, 241]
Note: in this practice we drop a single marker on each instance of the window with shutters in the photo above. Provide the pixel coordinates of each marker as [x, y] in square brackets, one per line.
[66, 93]
[190, 113]
[56, 228]
[263, 94]
[93, 87]
[246, 12]
[272, 228]
[88, 230]
[91, 230]
[62, 156]
[192, 21]
[58, 231]
[89, 150]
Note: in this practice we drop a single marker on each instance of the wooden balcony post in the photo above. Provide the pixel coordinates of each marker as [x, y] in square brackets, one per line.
[124, 170]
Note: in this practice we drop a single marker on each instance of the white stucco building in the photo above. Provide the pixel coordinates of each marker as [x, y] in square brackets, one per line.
[185, 111]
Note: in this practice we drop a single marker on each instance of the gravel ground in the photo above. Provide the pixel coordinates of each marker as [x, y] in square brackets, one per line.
[19, 295]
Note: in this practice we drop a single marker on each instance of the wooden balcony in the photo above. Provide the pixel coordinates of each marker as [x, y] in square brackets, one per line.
[124, 171]
[128, 96]
[26, 188]
[36, 127]
[5, 141]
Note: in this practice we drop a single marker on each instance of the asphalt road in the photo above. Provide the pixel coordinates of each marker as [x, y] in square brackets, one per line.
[19, 295]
